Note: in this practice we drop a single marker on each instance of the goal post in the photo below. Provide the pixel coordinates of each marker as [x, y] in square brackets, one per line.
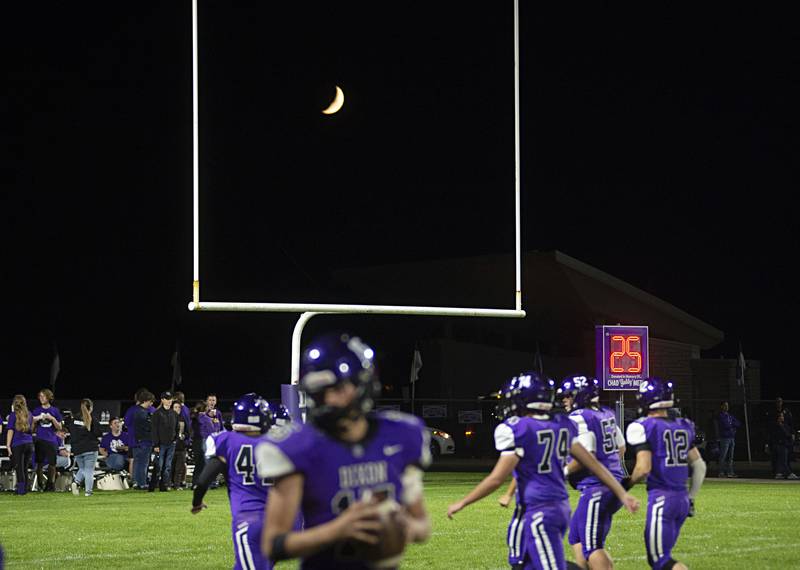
[308, 310]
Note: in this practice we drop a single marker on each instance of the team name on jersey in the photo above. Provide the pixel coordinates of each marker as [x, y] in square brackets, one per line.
[362, 474]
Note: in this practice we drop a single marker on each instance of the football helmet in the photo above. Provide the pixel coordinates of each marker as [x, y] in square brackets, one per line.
[587, 391]
[251, 413]
[566, 389]
[655, 394]
[525, 392]
[505, 406]
[330, 361]
[280, 415]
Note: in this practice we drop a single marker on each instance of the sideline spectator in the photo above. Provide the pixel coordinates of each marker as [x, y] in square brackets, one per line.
[788, 420]
[83, 435]
[114, 446]
[130, 428]
[201, 429]
[184, 412]
[726, 430]
[780, 441]
[181, 444]
[46, 420]
[165, 425]
[19, 440]
[62, 460]
[213, 413]
[144, 439]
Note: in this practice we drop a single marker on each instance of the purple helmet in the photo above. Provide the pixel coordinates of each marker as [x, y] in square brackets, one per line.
[505, 406]
[525, 392]
[587, 391]
[330, 361]
[567, 387]
[655, 394]
[280, 415]
[251, 413]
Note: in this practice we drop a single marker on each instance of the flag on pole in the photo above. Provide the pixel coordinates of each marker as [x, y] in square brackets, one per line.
[416, 364]
[537, 360]
[177, 378]
[55, 368]
[741, 367]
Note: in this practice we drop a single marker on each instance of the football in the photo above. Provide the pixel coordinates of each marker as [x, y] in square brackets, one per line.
[387, 552]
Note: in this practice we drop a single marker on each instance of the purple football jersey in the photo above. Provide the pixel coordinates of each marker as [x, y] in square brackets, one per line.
[246, 490]
[45, 430]
[542, 444]
[598, 432]
[337, 473]
[669, 440]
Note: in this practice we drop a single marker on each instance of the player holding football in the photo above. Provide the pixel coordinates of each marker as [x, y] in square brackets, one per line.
[535, 442]
[664, 450]
[335, 466]
[231, 452]
[599, 434]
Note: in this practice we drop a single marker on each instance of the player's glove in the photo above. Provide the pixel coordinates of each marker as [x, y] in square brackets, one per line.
[691, 508]
[626, 483]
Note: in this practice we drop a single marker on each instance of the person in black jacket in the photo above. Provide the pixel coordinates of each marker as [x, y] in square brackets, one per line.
[165, 432]
[84, 433]
[143, 430]
[780, 441]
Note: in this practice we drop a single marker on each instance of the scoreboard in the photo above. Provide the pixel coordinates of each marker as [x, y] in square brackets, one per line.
[623, 356]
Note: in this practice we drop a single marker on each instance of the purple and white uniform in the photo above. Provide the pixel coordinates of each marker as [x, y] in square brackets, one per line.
[514, 535]
[597, 432]
[247, 494]
[669, 440]
[542, 444]
[336, 474]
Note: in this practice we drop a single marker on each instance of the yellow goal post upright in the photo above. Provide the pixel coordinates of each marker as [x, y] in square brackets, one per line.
[309, 310]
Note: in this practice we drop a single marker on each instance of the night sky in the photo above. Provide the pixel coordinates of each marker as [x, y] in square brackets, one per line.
[658, 146]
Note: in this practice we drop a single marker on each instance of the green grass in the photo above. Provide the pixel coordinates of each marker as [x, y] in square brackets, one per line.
[751, 525]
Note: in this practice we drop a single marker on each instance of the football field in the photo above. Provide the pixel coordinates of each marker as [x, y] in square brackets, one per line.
[740, 524]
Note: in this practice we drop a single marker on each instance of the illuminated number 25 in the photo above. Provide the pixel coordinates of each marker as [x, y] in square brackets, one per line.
[622, 346]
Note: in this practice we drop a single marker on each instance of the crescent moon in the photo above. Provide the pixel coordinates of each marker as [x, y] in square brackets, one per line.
[336, 104]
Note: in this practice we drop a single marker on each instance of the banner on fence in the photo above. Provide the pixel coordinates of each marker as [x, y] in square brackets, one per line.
[470, 416]
[434, 411]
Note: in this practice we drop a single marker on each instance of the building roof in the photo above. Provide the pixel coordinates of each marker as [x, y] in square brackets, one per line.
[562, 295]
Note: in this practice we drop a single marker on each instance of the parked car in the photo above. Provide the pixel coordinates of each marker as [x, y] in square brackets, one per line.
[441, 442]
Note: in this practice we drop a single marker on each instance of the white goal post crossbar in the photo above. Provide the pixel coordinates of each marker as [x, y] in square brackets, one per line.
[308, 310]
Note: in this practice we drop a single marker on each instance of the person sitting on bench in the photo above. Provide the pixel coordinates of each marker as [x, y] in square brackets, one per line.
[114, 446]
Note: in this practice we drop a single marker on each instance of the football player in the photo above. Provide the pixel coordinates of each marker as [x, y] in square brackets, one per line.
[565, 394]
[664, 450]
[514, 535]
[599, 434]
[535, 442]
[280, 415]
[232, 453]
[337, 464]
